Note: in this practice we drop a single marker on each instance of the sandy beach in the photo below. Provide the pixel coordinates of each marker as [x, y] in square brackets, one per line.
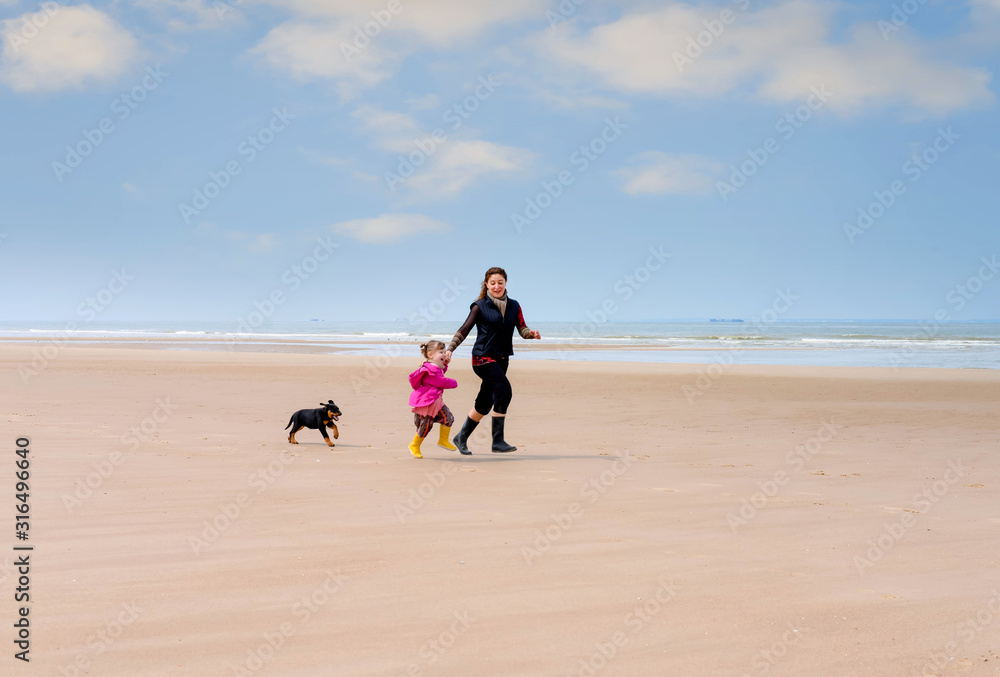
[656, 519]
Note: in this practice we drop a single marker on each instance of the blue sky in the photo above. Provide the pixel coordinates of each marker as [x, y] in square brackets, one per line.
[361, 176]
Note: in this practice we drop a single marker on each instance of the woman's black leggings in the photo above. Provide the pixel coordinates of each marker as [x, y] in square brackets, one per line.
[495, 392]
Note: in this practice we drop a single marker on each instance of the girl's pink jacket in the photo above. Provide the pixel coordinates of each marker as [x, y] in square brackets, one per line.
[428, 383]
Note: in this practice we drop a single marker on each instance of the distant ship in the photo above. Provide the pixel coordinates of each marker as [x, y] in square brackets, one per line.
[721, 320]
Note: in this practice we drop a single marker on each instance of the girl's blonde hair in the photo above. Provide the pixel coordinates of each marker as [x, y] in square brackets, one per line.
[427, 348]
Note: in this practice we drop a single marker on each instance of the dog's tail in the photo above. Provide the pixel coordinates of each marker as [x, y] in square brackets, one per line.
[290, 422]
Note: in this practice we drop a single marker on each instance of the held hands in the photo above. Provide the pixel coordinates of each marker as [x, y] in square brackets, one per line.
[447, 356]
[535, 334]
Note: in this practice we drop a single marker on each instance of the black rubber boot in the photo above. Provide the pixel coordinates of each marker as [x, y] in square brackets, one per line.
[499, 446]
[461, 439]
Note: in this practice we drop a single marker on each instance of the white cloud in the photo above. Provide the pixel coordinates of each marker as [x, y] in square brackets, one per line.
[449, 166]
[328, 160]
[566, 97]
[184, 15]
[656, 172]
[577, 101]
[255, 242]
[389, 228]
[781, 50]
[868, 73]
[262, 243]
[984, 16]
[394, 131]
[434, 22]
[459, 163]
[426, 102]
[77, 45]
[312, 51]
[360, 44]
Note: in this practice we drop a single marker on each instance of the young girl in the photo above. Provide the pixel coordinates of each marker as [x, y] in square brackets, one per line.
[427, 398]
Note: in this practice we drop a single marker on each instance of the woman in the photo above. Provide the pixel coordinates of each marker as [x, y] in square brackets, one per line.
[495, 317]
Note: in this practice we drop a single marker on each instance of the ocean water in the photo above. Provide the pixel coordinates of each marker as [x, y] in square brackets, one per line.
[895, 344]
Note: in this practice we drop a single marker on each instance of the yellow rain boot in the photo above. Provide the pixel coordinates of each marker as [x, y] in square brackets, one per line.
[415, 446]
[443, 440]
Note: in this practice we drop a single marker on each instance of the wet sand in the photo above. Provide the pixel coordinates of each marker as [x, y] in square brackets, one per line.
[656, 519]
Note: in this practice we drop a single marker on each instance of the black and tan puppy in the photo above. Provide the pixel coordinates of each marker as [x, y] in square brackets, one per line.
[320, 418]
